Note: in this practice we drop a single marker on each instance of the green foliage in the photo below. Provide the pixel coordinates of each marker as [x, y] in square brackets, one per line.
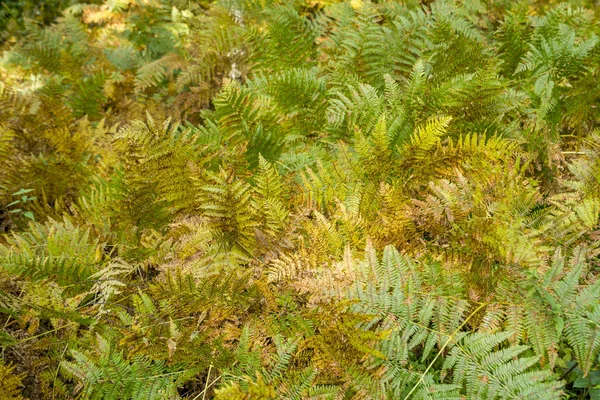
[23, 200]
[110, 376]
[55, 249]
[423, 323]
[10, 383]
[185, 185]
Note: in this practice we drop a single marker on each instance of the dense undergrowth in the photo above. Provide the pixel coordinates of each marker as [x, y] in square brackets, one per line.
[308, 199]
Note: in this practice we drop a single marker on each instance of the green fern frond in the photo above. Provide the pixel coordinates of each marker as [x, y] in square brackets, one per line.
[57, 250]
[108, 375]
[225, 200]
[426, 137]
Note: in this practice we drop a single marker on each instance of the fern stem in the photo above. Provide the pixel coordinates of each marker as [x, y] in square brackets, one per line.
[47, 332]
[203, 393]
[442, 349]
[62, 357]
[567, 372]
[207, 379]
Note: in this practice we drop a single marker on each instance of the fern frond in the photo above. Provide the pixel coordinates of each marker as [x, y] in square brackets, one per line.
[426, 137]
[108, 375]
[10, 383]
[57, 250]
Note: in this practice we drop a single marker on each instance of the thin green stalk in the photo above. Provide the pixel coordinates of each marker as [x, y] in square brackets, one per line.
[441, 350]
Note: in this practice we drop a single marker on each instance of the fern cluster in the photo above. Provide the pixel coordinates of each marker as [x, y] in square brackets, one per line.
[307, 199]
